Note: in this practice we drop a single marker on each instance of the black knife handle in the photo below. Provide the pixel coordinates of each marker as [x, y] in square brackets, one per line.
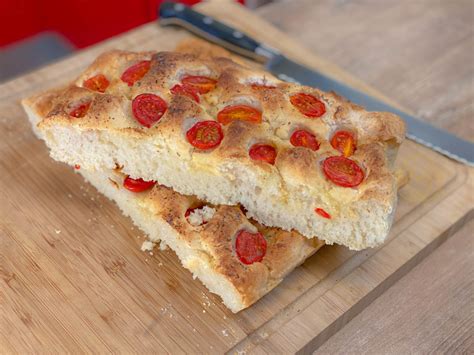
[171, 13]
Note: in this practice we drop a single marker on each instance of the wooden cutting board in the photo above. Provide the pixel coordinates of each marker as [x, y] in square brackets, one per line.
[72, 277]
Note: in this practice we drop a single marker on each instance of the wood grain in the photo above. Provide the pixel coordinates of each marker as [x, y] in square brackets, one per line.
[420, 53]
[426, 312]
[72, 277]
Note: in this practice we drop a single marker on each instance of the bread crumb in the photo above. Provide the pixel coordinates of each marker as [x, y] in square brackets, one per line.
[147, 246]
[57, 231]
[199, 216]
[225, 333]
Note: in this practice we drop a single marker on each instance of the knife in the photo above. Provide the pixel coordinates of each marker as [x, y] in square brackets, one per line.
[286, 69]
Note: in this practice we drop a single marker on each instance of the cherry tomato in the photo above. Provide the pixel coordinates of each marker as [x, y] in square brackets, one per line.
[202, 84]
[185, 90]
[239, 113]
[80, 109]
[137, 185]
[343, 171]
[322, 213]
[250, 247]
[263, 152]
[148, 109]
[303, 138]
[308, 104]
[135, 72]
[97, 83]
[344, 141]
[205, 135]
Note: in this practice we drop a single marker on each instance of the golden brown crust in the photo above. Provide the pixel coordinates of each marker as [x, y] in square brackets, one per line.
[216, 239]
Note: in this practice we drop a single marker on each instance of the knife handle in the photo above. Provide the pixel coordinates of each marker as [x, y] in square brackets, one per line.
[171, 13]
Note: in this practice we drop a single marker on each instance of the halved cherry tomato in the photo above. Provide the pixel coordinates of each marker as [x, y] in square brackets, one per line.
[77, 166]
[262, 86]
[303, 138]
[97, 83]
[250, 247]
[205, 135]
[185, 90]
[263, 152]
[239, 113]
[137, 185]
[343, 171]
[308, 104]
[344, 141]
[80, 110]
[322, 213]
[135, 72]
[202, 84]
[148, 109]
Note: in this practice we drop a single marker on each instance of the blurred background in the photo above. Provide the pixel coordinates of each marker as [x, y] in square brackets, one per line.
[34, 32]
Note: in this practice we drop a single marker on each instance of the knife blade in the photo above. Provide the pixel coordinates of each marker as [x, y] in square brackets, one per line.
[288, 70]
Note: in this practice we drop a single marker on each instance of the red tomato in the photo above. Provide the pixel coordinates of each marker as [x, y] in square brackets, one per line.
[250, 247]
[135, 72]
[322, 213]
[202, 84]
[137, 185]
[148, 109]
[80, 109]
[308, 105]
[343, 171]
[263, 152]
[344, 141]
[205, 135]
[239, 113]
[185, 90]
[97, 83]
[303, 138]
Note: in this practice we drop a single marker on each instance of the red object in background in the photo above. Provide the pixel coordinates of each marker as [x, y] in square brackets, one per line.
[83, 22]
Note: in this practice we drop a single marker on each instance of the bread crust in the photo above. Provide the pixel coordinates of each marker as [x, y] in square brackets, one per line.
[297, 172]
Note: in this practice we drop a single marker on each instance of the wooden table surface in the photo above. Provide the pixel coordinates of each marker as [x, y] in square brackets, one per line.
[421, 54]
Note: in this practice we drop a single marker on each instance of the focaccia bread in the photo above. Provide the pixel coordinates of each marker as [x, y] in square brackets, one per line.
[232, 255]
[295, 157]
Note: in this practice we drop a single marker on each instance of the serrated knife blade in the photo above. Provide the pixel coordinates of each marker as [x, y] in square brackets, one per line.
[417, 130]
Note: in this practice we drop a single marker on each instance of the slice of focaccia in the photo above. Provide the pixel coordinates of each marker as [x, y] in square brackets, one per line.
[233, 256]
[295, 157]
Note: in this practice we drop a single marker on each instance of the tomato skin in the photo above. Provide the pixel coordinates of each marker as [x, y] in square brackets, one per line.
[80, 110]
[322, 213]
[263, 152]
[148, 109]
[202, 84]
[239, 113]
[250, 247]
[344, 142]
[137, 185]
[185, 90]
[343, 171]
[97, 83]
[205, 135]
[308, 105]
[134, 73]
[303, 138]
